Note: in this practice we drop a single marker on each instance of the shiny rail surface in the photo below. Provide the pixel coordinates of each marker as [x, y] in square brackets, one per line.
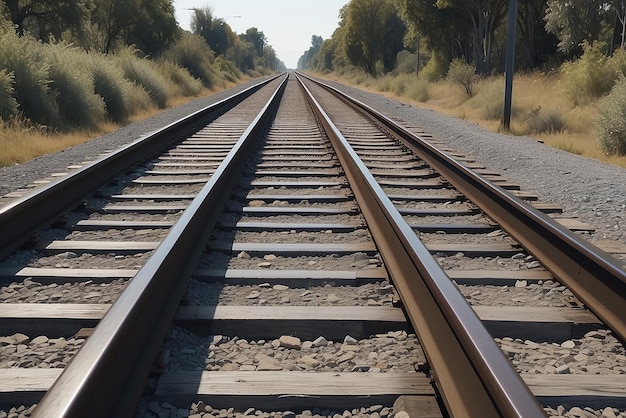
[594, 276]
[129, 335]
[474, 377]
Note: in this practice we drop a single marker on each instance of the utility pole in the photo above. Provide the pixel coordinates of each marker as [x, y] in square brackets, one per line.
[510, 63]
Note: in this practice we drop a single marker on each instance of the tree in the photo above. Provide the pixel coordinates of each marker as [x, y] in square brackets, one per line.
[156, 27]
[45, 18]
[576, 21]
[256, 38]
[537, 43]
[371, 33]
[481, 18]
[439, 29]
[214, 31]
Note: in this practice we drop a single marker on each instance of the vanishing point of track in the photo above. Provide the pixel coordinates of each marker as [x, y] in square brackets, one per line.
[277, 194]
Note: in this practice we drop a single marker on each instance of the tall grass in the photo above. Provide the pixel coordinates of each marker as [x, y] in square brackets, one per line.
[73, 87]
[146, 74]
[25, 60]
[193, 53]
[53, 94]
[612, 119]
[541, 107]
[122, 98]
[8, 104]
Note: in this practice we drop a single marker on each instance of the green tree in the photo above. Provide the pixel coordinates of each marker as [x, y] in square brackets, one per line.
[481, 19]
[156, 27]
[45, 18]
[214, 31]
[537, 43]
[576, 21]
[439, 29]
[256, 38]
[371, 34]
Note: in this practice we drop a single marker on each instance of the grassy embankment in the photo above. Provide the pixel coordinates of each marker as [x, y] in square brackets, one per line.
[20, 142]
[54, 96]
[542, 107]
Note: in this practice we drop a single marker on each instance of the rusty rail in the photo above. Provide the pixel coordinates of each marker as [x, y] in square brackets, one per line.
[473, 375]
[106, 377]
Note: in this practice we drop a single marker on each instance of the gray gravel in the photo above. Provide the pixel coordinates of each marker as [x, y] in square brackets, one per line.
[592, 190]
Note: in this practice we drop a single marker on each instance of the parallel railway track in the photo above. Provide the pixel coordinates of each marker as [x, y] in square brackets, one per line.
[280, 211]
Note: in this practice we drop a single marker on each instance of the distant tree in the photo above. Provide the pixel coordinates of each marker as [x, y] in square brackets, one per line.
[310, 55]
[256, 38]
[213, 30]
[370, 28]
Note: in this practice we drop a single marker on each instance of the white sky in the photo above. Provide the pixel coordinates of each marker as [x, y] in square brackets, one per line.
[288, 25]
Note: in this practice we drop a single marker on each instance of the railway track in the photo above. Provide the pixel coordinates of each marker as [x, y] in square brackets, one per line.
[302, 244]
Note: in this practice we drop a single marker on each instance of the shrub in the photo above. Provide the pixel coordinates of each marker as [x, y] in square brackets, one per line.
[193, 53]
[435, 69]
[591, 76]
[551, 121]
[463, 74]
[8, 104]
[611, 123]
[73, 87]
[417, 90]
[22, 57]
[227, 68]
[121, 97]
[145, 74]
[180, 78]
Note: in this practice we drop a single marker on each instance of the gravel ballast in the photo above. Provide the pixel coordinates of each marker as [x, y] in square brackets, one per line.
[590, 189]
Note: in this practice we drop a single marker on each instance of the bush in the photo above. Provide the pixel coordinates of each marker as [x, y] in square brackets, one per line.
[417, 90]
[611, 123]
[227, 68]
[144, 73]
[8, 104]
[180, 78]
[463, 74]
[23, 58]
[193, 53]
[591, 76]
[73, 87]
[121, 97]
[435, 69]
[550, 122]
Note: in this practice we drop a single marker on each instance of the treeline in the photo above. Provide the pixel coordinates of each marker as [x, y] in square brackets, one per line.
[464, 41]
[75, 64]
[379, 36]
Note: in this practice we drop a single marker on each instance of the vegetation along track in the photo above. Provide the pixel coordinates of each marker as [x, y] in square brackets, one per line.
[295, 279]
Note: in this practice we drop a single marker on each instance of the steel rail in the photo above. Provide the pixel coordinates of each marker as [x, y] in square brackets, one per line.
[36, 209]
[594, 276]
[474, 377]
[107, 375]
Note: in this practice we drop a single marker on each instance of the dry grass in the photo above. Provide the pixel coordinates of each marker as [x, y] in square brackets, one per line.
[538, 101]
